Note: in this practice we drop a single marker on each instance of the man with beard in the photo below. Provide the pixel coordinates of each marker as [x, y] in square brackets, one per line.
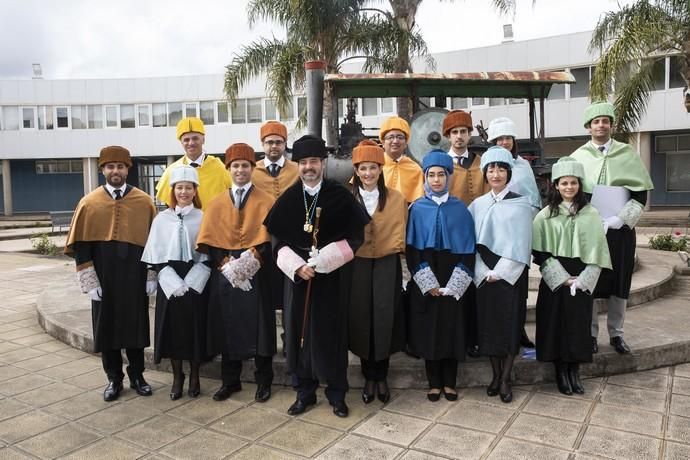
[311, 250]
[213, 177]
[275, 173]
[616, 171]
[107, 238]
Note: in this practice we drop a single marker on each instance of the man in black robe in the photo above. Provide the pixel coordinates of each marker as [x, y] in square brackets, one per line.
[311, 251]
[107, 237]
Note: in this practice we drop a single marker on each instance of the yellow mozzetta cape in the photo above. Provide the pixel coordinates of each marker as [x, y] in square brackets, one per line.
[99, 217]
[468, 184]
[213, 179]
[226, 227]
[405, 176]
[385, 233]
[275, 186]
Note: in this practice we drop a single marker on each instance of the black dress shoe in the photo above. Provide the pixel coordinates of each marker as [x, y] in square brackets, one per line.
[112, 391]
[140, 386]
[492, 389]
[176, 389]
[340, 409]
[263, 393]
[300, 407]
[619, 345]
[225, 391]
[194, 391]
[369, 392]
[595, 346]
[562, 381]
[505, 392]
[384, 393]
[433, 397]
[450, 395]
[473, 351]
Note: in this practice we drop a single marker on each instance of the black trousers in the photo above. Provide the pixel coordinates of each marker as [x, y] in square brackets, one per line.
[442, 372]
[306, 389]
[375, 370]
[112, 364]
[232, 368]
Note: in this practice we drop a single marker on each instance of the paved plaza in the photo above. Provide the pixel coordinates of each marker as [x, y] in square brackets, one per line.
[51, 406]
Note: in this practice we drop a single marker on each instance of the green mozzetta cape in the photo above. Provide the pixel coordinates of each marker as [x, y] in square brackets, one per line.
[579, 237]
[622, 167]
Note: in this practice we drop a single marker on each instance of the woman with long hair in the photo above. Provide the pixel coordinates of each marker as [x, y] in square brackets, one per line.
[182, 298]
[503, 228]
[569, 245]
[376, 318]
[440, 256]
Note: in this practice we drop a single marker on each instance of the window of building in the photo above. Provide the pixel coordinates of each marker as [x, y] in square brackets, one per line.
[144, 115]
[206, 109]
[62, 117]
[289, 113]
[369, 106]
[190, 109]
[675, 76]
[10, 118]
[160, 116]
[497, 101]
[387, 105]
[28, 117]
[581, 86]
[222, 111]
[677, 172]
[270, 109]
[254, 110]
[174, 113]
[127, 119]
[684, 142]
[239, 111]
[79, 117]
[112, 116]
[659, 74]
[458, 102]
[41, 116]
[149, 175]
[513, 101]
[302, 106]
[59, 166]
[95, 116]
[424, 102]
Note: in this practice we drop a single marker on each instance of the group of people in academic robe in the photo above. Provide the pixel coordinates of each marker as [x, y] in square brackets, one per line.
[463, 225]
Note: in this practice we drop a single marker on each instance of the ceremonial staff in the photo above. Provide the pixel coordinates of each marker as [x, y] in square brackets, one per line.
[314, 244]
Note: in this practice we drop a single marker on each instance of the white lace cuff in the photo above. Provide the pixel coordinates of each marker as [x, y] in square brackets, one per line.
[169, 281]
[246, 266]
[333, 256]
[425, 279]
[509, 270]
[197, 277]
[553, 273]
[458, 282]
[289, 262]
[589, 277]
[88, 279]
[631, 213]
[151, 275]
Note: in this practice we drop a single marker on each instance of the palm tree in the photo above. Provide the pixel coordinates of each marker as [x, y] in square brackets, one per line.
[630, 41]
[332, 31]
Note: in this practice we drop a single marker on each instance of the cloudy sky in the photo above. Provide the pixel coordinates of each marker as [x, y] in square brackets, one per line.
[140, 38]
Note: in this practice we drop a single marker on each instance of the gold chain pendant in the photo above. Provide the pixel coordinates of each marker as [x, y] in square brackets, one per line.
[308, 227]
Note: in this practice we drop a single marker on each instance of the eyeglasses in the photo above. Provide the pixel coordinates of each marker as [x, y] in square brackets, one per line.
[276, 143]
[395, 137]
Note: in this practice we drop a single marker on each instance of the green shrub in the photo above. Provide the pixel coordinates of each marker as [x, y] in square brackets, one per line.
[670, 242]
[43, 245]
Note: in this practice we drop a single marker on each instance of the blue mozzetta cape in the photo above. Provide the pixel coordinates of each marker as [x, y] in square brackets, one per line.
[453, 229]
[504, 227]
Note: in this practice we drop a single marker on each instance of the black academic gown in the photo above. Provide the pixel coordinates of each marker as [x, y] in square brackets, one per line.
[324, 353]
[563, 321]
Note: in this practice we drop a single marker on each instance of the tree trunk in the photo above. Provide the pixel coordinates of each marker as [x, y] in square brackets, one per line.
[404, 12]
[330, 115]
[686, 71]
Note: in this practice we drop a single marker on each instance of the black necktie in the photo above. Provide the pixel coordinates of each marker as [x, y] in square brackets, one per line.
[194, 165]
[118, 194]
[275, 169]
[602, 148]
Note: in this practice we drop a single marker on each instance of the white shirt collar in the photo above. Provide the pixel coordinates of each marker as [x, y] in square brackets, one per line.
[280, 162]
[312, 190]
[465, 154]
[245, 187]
[439, 200]
[606, 146]
[199, 161]
[501, 195]
[185, 210]
[112, 189]
[370, 199]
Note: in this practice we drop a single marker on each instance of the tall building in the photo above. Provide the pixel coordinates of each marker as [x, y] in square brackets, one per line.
[51, 131]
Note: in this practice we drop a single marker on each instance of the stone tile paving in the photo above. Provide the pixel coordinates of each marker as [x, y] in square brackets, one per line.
[51, 407]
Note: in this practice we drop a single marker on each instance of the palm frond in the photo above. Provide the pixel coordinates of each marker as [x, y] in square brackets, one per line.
[632, 96]
[250, 62]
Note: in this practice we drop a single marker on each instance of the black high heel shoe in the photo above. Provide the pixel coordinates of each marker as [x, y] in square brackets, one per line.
[368, 392]
[177, 385]
[492, 389]
[433, 397]
[384, 393]
[506, 396]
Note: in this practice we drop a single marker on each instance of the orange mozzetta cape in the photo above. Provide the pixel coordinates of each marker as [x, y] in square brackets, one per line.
[405, 176]
[468, 184]
[99, 217]
[226, 227]
[275, 186]
[385, 233]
